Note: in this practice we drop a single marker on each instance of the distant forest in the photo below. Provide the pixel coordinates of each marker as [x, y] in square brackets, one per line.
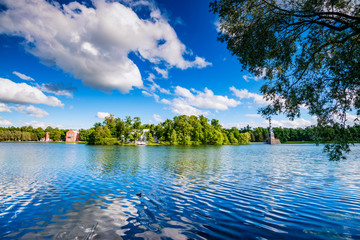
[181, 130]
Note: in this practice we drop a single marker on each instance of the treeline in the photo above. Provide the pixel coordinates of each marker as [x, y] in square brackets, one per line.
[194, 130]
[29, 133]
[182, 130]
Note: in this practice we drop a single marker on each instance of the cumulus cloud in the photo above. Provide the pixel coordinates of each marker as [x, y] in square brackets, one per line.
[151, 94]
[152, 87]
[22, 93]
[93, 43]
[4, 108]
[32, 111]
[43, 125]
[157, 118]
[102, 115]
[261, 74]
[352, 118]
[247, 78]
[190, 102]
[181, 106]
[253, 115]
[206, 99]
[23, 76]
[296, 123]
[5, 123]
[57, 89]
[163, 72]
[245, 94]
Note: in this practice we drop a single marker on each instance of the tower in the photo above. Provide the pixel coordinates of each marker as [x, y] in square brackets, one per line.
[271, 133]
[271, 139]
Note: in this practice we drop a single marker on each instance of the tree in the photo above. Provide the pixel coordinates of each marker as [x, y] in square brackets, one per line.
[173, 140]
[120, 128]
[217, 137]
[110, 122]
[232, 139]
[55, 135]
[244, 138]
[307, 51]
[187, 140]
[150, 137]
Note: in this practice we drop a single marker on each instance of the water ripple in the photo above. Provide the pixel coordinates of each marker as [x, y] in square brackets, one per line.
[59, 191]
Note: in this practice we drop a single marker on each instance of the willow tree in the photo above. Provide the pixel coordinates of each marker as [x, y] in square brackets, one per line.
[308, 52]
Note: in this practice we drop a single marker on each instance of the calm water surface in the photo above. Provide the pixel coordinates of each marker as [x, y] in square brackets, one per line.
[74, 191]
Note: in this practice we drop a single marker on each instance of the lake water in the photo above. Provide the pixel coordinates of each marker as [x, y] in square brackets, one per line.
[75, 191]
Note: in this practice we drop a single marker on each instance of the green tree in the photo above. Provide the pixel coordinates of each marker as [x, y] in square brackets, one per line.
[217, 137]
[187, 140]
[244, 138]
[56, 135]
[120, 128]
[232, 138]
[150, 137]
[307, 51]
[110, 122]
[226, 139]
[100, 134]
[173, 138]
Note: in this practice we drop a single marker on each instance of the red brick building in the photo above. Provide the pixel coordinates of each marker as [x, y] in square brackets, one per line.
[72, 136]
[46, 138]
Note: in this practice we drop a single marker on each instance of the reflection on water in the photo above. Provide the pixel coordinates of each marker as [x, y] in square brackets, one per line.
[60, 191]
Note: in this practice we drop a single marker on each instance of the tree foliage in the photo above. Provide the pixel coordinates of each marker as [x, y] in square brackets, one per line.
[308, 51]
[182, 130]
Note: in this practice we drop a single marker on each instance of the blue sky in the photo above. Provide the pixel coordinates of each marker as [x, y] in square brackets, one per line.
[68, 64]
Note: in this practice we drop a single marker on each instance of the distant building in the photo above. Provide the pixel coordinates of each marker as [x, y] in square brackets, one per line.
[271, 139]
[143, 138]
[72, 135]
[46, 138]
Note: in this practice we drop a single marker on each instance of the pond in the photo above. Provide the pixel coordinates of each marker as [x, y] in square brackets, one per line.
[75, 191]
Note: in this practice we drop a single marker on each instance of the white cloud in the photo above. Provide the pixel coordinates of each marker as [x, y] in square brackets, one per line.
[93, 44]
[153, 87]
[163, 72]
[261, 75]
[56, 89]
[102, 115]
[206, 99]
[253, 115]
[247, 78]
[245, 94]
[200, 63]
[181, 106]
[43, 125]
[5, 123]
[157, 118]
[165, 101]
[4, 108]
[32, 111]
[22, 93]
[23, 76]
[151, 94]
[297, 123]
[352, 118]
[191, 102]
[217, 25]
